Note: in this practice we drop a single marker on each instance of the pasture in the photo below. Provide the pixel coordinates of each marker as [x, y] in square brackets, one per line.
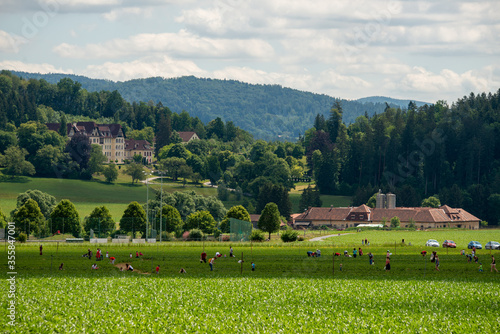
[86, 195]
[288, 291]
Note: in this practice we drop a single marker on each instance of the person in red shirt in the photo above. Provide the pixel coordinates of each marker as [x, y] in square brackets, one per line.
[203, 257]
[112, 259]
[158, 269]
[136, 254]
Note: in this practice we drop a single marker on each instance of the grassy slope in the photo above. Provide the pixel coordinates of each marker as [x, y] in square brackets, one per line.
[86, 195]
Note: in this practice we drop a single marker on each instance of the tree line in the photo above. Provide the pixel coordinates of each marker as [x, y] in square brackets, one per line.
[449, 151]
[38, 214]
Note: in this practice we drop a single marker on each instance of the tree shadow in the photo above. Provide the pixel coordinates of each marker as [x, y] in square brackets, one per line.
[14, 179]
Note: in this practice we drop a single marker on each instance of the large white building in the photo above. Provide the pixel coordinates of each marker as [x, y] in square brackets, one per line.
[109, 136]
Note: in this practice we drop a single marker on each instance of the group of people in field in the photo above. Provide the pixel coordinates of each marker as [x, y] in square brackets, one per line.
[473, 257]
[211, 261]
[355, 252]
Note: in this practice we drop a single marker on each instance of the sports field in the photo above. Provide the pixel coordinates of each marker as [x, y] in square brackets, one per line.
[288, 291]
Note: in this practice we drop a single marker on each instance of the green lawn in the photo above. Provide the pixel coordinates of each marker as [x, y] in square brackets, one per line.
[328, 200]
[86, 195]
[288, 292]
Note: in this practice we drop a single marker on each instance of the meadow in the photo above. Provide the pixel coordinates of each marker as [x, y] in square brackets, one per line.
[86, 195]
[288, 291]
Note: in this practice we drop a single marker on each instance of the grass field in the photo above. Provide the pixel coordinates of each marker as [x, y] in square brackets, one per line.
[288, 292]
[86, 195]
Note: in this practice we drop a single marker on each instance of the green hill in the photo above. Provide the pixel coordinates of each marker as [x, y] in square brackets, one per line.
[267, 111]
[391, 101]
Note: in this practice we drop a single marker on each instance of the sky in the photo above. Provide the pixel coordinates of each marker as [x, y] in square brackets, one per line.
[420, 50]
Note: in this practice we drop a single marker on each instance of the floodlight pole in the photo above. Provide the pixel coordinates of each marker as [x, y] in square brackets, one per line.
[161, 203]
[333, 257]
[241, 263]
[147, 205]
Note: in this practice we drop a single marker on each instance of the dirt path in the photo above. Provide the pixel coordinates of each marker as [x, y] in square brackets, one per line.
[328, 236]
[123, 267]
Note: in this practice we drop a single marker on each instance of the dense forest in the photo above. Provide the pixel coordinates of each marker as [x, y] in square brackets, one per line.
[268, 112]
[450, 152]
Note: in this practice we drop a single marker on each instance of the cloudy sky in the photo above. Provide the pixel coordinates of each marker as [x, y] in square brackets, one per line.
[424, 50]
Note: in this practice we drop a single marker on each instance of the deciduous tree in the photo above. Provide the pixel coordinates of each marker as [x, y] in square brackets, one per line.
[202, 220]
[100, 221]
[269, 220]
[133, 219]
[65, 218]
[236, 212]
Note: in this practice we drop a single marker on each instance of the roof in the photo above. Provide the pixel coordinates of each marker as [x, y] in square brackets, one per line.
[186, 135]
[417, 214]
[142, 145]
[362, 209]
[324, 214]
[105, 130]
[254, 218]
[53, 126]
[448, 210]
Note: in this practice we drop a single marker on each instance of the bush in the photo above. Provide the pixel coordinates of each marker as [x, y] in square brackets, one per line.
[257, 235]
[195, 234]
[22, 237]
[289, 236]
[165, 236]
[217, 233]
[179, 233]
[301, 238]
[185, 235]
[226, 238]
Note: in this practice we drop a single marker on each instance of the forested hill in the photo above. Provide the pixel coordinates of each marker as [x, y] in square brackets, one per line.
[384, 99]
[266, 111]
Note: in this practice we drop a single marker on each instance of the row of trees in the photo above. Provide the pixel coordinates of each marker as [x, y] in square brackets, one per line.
[38, 213]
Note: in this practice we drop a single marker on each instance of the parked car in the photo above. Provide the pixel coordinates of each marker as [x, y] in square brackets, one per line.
[474, 244]
[492, 245]
[432, 243]
[449, 243]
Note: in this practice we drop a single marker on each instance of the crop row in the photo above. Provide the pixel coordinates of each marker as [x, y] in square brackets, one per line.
[241, 305]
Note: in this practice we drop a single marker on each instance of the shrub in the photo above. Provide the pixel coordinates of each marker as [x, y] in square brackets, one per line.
[217, 233]
[289, 236]
[195, 234]
[257, 235]
[226, 238]
[165, 236]
[185, 235]
[179, 233]
[301, 238]
[22, 237]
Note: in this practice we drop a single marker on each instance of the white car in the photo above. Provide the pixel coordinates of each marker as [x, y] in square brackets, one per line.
[432, 243]
[492, 245]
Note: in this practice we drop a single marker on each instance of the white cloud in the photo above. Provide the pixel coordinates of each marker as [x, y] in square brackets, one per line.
[14, 65]
[144, 68]
[10, 43]
[328, 81]
[446, 84]
[128, 13]
[183, 44]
